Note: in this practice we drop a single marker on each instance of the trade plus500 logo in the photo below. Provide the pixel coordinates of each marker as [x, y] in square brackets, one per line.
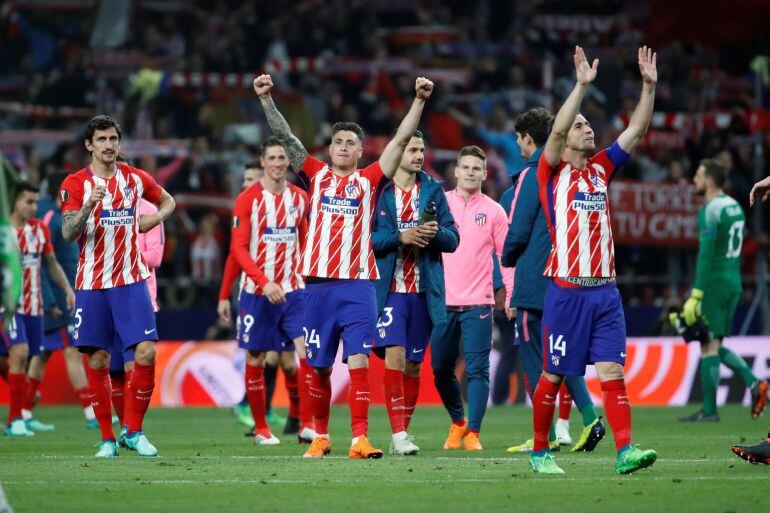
[590, 201]
[116, 217]
[340, 206]
[279, 235]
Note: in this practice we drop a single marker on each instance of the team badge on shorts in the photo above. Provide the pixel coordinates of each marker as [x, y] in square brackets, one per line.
[382, 332]
[481, 219]
[555, 360]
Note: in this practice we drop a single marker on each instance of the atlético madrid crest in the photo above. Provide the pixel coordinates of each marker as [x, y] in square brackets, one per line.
[128, 193]
[481, 219]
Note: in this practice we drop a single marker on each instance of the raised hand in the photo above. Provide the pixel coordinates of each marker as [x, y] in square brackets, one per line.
[423, 88]
[263, 84]
[585, 74]
[648, 65]
[97, 195]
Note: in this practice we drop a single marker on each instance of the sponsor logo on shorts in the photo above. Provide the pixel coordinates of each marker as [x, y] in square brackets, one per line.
[367, 346]
[623, 354]
[590, 201]
[279, 235]
[416, 351]
[116, 217]
[340, 206]
[147, 332]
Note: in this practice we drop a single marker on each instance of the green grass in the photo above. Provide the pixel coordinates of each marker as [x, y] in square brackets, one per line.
[207, 465]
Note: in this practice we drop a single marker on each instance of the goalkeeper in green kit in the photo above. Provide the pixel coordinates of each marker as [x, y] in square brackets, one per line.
[717, 288]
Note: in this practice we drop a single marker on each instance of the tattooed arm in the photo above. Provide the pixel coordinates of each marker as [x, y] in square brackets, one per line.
[294, 149]
[73, 221]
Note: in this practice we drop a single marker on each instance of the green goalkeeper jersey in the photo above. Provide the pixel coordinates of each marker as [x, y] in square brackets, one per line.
[720, 231]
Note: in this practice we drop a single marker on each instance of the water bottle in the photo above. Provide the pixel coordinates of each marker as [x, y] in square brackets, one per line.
[429, 214]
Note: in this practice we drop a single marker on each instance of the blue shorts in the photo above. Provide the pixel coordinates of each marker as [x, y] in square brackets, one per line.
[582, 326]
[125, 312]
[263, 326]
[405, 322]
[59, 338]
[23, 329]
[345, 309]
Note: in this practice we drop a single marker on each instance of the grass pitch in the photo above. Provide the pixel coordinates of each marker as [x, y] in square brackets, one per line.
[206, 464]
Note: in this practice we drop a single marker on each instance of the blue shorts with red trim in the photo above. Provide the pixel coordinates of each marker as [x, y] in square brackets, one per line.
[23, 329]
[125, 312]
[405, 322]
[59, 338]
[263, 326]
[581, 326]
[339, 309]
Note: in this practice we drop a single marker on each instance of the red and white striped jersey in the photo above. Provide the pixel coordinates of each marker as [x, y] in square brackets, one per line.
[339, 240]
[34, 241]
[576, 209]
[406, 279]
[266, 237]
[109, 244]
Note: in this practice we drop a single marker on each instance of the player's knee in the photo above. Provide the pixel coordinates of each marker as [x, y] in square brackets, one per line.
[99, 360]
[412, 369]
[17, 358]
[255, 358]
[358, 361]
[395, 358]
[144, 353]
[553, 378]
[610, 371]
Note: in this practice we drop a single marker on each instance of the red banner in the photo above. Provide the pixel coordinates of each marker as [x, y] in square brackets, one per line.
[658, 214]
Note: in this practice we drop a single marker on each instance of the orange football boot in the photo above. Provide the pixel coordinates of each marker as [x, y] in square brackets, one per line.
[456, 435]
[364, 449]
[472, 441]
[320, 447]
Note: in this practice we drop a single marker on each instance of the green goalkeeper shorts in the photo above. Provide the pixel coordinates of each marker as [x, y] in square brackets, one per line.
[718, 309]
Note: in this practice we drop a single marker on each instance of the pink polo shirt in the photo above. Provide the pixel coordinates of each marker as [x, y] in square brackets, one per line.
[483, 226]
[151, 247]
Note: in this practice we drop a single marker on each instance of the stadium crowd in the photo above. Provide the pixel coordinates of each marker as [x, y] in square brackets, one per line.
[197, 130]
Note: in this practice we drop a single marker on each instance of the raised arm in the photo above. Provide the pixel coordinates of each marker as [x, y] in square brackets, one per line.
[73, 221]
[294, 148]
[761, 190]
[630, 138]
[391, 155]
[585, 74]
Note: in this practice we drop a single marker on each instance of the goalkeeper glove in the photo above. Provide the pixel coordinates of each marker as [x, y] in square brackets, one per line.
[691, 309]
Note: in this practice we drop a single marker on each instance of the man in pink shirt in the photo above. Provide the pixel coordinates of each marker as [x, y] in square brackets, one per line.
[483, 226]
[122, 362]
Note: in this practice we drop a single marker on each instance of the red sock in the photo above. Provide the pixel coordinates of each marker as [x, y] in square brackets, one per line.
[395, 400]
[139, 394]
[358, 399]
[543, 404]
[618, 411]
[118, 381]
[565, 402]
[33, 385]
[82, 395]
[17, 386]
[99, 391]
[320, 392]
[411, 392]
[293, 391]
[255, 394]
[303, 386]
